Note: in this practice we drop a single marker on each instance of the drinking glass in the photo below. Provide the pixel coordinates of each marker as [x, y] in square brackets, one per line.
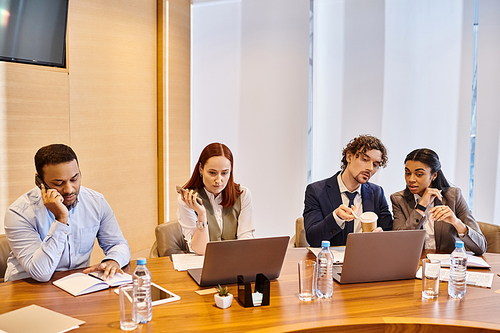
[307, 280]
[127, 317]
[430, 278]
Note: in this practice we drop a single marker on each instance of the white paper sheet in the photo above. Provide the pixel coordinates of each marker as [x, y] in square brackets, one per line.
[477, 279]
[472, 261]
[187, 261]
[338, 253]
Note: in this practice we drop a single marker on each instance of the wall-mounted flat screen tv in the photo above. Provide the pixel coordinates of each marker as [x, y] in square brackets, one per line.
[33, 31]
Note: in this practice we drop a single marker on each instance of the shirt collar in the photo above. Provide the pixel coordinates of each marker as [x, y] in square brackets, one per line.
[343, 188]
[212, 197]
[73, 205]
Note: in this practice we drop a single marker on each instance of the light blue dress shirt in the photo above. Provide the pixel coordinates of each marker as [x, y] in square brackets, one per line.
[41, 245]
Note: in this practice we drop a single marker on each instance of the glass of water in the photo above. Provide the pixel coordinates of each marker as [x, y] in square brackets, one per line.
[430, 278]
[307, 280]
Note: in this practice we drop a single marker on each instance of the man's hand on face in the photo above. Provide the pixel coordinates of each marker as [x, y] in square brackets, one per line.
[53, 200]
[110, 268]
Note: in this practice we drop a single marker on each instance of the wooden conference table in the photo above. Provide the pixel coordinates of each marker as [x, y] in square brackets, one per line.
[371, 307]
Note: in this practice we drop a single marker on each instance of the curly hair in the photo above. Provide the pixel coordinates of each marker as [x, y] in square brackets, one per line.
[361, 145]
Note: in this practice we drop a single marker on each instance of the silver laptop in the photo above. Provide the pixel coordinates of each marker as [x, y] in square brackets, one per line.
[225, 260]
[380, 256]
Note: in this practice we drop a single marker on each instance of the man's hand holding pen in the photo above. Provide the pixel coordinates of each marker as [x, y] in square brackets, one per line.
[346, 213]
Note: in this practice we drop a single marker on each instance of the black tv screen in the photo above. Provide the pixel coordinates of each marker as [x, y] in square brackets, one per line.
[33, 31]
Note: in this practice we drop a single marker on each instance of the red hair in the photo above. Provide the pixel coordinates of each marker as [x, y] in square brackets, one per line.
[232, 190]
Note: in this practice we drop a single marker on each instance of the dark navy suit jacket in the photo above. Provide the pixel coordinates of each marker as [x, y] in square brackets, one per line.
[323, 197]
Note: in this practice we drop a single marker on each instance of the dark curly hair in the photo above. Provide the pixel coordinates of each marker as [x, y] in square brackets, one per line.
[361, 145]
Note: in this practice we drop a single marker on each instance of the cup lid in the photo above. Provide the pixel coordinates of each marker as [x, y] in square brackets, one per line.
[368, 217]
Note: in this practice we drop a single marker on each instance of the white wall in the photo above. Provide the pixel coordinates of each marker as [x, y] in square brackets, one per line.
[423, 42]
[487, 185]
[426, 84]
[400, 70]
[250, 91]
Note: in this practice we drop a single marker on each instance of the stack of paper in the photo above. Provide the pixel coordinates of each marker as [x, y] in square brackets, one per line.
[185, 261]
[477, 279]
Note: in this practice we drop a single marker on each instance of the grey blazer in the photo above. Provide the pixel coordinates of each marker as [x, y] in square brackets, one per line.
[406, 217]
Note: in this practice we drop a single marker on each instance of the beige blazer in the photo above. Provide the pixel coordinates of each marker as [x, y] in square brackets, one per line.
[406, 217]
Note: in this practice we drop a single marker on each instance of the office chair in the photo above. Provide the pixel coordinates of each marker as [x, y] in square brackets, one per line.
[492, 234]
[299, 238]
[169, 240]
[4, 255]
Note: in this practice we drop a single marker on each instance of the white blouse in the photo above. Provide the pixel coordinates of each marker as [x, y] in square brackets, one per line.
[187, 217]
[430, 240]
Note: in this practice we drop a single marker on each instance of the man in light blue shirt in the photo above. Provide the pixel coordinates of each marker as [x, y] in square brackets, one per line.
[53, 228]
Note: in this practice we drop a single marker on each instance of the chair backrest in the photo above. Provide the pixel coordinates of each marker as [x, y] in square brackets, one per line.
[300, 233]
[492, 234]
[4, 255]
[169, 239]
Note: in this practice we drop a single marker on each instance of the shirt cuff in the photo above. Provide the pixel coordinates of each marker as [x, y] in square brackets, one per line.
[465, 233]
[340, 222]
[59, 231]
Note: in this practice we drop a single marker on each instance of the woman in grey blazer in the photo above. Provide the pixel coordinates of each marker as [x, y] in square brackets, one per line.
[430, 203]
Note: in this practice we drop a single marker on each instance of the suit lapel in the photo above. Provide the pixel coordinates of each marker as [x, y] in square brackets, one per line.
[333, 191]
[410, 198]
[367, 198]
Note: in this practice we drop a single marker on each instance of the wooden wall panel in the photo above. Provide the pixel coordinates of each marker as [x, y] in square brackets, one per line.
[178, 87]
[113, 108]
[34, 104]
[132, 146]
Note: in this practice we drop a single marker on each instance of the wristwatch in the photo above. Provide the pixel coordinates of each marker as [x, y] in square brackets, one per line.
[420, 207]
[201, 225]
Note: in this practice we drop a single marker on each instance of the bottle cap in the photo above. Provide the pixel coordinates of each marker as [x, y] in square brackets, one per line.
[325, 244]
[141, 261]
[459, 244]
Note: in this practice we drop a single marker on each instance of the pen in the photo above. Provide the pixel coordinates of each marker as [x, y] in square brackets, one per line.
[354, 214]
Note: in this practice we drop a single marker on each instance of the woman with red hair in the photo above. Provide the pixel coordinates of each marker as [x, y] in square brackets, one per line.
[225, 209]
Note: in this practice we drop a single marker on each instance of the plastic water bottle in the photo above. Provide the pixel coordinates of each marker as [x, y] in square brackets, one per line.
[142, 292]
[324, 262]
[458, 270]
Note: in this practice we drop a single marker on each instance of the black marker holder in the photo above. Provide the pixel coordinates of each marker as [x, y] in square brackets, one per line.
[262, 285]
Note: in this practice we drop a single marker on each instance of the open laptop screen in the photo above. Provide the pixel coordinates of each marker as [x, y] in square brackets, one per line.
[381, 256]
[225, 260]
